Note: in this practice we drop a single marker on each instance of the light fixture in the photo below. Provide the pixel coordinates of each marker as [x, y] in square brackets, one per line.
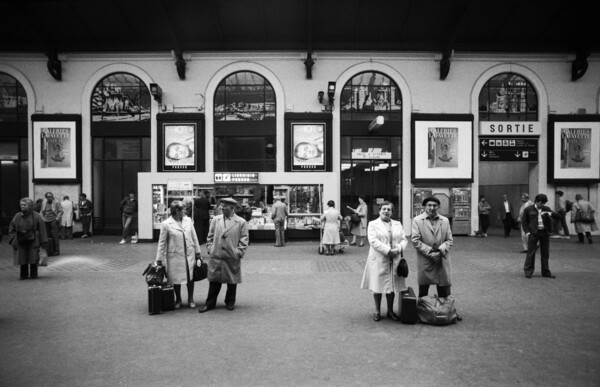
[376, 123]
[156, 92]
[327, 102]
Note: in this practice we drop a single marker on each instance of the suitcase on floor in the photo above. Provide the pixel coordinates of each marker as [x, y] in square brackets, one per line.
[154, 300]
[51, 247]
[408, 307]
[168, 298]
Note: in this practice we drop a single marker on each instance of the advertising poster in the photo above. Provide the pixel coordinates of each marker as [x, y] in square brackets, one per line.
[442, 148]
[308, 147]
[575, 144]
[54, 150]
[179, 147]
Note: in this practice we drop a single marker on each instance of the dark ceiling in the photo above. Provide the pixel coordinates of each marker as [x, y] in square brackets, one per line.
[64, 26]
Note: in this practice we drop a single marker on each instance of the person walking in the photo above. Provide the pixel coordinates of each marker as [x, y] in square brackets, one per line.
[387, 242]
[505, 211]
[432, 238]
[86, 208]
[279, 213]
[202, 216]
[537, 224]
[359, 230]
[226, 243]
[483, 209]
[583, 216]
[66, 222]
[52, 212]
[27, 233]
[331, 230]
[525, 203]
[561, 210]
[129, 209]
[178, 248]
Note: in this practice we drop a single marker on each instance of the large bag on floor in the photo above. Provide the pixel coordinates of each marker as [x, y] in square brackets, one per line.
[436, 311]
[51, 247]
[154, 300]
[408, 306]
[168, 298]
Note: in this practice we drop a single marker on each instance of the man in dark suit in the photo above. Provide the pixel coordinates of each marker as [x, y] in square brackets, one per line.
[202, 216]
[537, 224]
[505, 211]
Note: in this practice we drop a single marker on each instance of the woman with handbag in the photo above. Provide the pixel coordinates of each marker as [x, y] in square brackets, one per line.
[179, 249]
[359, 229]
[582, 215]
[331, 229]
[27, 234]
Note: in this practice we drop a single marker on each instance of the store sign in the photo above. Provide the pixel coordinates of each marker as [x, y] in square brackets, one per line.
[508, 149]
[510, 128]
[371, 153]
[236, 177]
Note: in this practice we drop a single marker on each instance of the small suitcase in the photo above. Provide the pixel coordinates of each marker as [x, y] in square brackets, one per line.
[51, 247]
[168, 298]
[408, 306]
[154, 300]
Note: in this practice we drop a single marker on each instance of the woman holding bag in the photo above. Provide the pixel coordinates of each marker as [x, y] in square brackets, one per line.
[178, 248]
[582, 216]
[27, 234]
[359, 230]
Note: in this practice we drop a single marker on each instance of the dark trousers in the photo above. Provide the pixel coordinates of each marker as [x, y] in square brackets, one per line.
[543, 237]
[442, 291]
[86, 220]
[279, 233]
[213, 292]
[561, 223]
[52, 231]
[484, 222]
[508, 223]
[201, 226]
[28, 271]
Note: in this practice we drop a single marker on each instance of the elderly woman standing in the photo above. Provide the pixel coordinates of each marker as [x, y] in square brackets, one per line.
[178, 247]
[387, 240]
[581, 214]
[331, 229]
[359, 230]
[27, 233]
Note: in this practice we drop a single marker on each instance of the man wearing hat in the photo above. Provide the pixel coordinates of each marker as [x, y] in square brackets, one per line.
[226, 243]
[432, 238]
[279, 213]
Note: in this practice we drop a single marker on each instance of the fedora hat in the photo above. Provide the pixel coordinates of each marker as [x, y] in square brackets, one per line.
[229, 201]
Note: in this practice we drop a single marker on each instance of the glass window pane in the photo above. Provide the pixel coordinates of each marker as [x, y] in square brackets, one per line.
[13, 99]
[24, 149]
[121, 97]
[370, 94]
[244, 96]
[98, 146]
[507, 97]
[146, 148]
[122, 149]
[9, 150]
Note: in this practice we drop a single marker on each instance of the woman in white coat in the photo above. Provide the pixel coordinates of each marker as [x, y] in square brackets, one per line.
[177, 244]
[387, 241]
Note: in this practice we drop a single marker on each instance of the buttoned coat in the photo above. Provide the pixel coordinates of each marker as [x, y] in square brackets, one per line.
[360, 229]
[55, 207]
[27, 252]
[378, 276]
[174, 252]
[226, 248]
[585, 207]
[424, 235]
[529, 223]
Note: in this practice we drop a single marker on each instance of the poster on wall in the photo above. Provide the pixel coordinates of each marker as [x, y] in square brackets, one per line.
[308, 147]
[54, 150]
[574, 151]
[179, 152]
[442, 150]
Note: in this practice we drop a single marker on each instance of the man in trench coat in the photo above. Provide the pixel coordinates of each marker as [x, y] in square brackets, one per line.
[226, 243]
[432, 238]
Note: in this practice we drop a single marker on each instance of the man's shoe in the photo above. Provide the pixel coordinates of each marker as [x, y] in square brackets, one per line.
[204, 309]
[566, 237]
[376, 316]
[122, 242]
[84, 236]
[527, 275]
[549, 276]
[230, 307]
[523, 251]
[555, 236]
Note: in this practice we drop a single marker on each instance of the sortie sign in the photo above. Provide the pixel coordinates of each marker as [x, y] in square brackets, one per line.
[510, 128]
[508, 149]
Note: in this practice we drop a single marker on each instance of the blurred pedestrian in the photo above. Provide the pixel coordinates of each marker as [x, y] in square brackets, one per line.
[483, 210]
[66, 221]
[86, 209]
[279, 213]
[505, 211]
[227, 242]
[27, 233]
[202, 216]
[52, 213]
[525, 203]
[359, 230]
[537, 223]
[583, 216]
[129, 209]
[561, 210]
[331, 229]
[387, 242]
[178, 248]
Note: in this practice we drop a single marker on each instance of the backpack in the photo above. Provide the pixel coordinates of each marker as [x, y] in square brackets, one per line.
[436, 311]
[569, 205]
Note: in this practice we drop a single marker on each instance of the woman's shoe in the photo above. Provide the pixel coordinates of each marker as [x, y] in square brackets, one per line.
[376, 316]
[178, 305]
[361, 244]
[353, 244]
[393, 316]
[192, 304]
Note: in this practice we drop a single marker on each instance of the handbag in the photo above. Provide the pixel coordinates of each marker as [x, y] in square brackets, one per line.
[43, 257]
[155, 274]
[583, 217]
[355, 218]
[200, 271]
[402, 268]
[26, 236]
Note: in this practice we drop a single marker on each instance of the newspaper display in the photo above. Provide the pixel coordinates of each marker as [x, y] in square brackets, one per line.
[575, 147]
[55, 146]
[442, 147]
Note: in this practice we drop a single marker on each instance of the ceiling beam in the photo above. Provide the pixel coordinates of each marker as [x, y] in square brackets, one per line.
[81, 21]
[309, 62]
[219, 23]
[448, 45]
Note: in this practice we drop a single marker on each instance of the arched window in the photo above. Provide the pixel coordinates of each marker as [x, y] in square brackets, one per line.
[368, 95]
[245, 96]
[120, 97]
[508, 97]
[13, 99]
[245, 127]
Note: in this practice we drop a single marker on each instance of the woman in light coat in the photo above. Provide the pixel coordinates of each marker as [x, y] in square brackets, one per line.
[331, 230]
[177, 245]
[388, 241]
[66, 221]
[583, 207]
[359, 230]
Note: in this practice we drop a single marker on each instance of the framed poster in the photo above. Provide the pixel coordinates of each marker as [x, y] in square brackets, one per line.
[574, 150]
[308, 146]
[179, 144]
[56, 148]
[442, 150]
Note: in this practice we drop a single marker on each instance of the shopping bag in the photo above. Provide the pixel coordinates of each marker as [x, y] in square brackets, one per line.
[43, 257]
